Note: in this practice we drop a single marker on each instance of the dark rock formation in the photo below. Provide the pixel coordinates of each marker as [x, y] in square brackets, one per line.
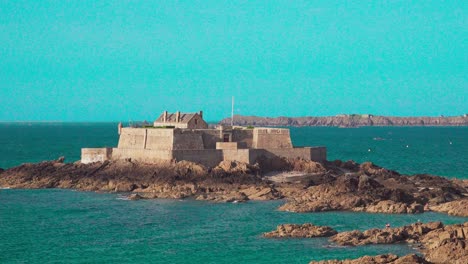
[347, 121]
[300, 231]
[369, 188]
[168, 180]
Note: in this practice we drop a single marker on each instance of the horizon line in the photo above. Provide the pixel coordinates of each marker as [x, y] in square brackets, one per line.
[213, 121]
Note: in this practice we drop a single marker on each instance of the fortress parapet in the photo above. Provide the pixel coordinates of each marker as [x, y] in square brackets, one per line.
[206, 146]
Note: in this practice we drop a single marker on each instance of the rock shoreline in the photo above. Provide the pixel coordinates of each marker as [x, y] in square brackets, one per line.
[438, 242]
[329, 186]
[335, 186]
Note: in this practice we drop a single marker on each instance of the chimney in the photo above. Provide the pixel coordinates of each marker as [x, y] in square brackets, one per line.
[165, 117]
[177, 117]
[201, 114]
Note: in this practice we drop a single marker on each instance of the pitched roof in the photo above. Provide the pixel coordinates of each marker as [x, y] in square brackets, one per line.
[171, 117]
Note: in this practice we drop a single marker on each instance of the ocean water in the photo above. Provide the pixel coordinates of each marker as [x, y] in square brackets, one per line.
[44, 226]
[65, 226]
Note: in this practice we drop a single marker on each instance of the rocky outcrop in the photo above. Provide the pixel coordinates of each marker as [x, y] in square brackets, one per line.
[347, 121]
[369, 188]
[325, 186]
[380, 259]
[448, 244]
[439, 243]
[391, 207]
[167, 180]
[300, 231]
[134, 197]
[458, 208]
[411, 233]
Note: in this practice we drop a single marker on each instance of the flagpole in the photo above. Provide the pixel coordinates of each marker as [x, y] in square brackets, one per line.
[232, 112]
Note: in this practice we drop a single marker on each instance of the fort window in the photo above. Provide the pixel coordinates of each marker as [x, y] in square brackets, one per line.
[226, 138]
[196, 121]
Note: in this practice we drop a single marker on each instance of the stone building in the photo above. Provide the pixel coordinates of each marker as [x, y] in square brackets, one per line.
[167, 142]
[181, 120]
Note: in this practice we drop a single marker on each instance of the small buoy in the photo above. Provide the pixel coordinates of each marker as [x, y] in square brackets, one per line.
[407, 146]
[369, 150]
[450, 143]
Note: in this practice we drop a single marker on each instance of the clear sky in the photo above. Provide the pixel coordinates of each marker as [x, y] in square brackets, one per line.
[130, 60]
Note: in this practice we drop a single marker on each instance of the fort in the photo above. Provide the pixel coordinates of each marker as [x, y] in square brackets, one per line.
[186, 136]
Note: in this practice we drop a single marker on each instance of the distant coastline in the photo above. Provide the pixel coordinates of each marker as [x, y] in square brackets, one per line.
[352, 120]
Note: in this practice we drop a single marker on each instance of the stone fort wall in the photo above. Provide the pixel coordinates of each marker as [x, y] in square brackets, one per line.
[161, 145]
[207, 157]
[181, 139]
[90, 155]
[271, 138]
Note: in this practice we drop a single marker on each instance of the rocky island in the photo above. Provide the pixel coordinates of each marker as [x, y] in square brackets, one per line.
[179, 157]
[353, 120]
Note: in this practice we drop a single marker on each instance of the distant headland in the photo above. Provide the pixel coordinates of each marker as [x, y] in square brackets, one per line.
[351, 120]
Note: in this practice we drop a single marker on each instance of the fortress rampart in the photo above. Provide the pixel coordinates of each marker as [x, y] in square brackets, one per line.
[205, 146]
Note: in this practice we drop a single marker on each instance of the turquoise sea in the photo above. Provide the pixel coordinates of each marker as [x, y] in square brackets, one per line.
[65, 226]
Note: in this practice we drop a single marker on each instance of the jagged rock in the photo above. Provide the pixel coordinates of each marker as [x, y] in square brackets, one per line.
[307, 166]
[225, 196]
[439, 243]
[411, 233]
[392, 207]
[333, 185]
[448, 244]
[380, 259]
[60, 159]
[134, 197]
[187, 169]
[459, 208]
[300, 231]
[262, 193]
[236, 167]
